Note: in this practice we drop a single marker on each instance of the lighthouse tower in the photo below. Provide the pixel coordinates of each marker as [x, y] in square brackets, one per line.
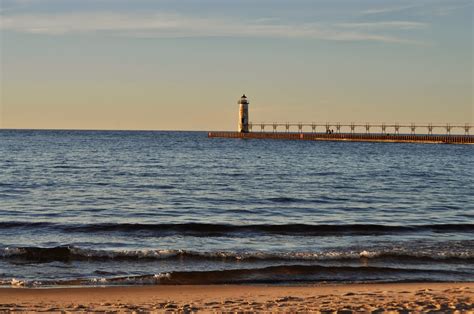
[243, 114]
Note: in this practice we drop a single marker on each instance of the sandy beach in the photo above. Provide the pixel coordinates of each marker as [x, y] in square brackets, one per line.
[400, 297]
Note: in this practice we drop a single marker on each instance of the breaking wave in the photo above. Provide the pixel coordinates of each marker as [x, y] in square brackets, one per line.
[71, 253]
[268, 275]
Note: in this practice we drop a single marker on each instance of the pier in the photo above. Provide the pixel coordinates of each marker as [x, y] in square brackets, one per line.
[353, 137]
[356, 132]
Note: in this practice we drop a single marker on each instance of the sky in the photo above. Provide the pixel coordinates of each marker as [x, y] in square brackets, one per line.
[183, 64]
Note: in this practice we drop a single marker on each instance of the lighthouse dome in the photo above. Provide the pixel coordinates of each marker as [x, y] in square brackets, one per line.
[243, 100]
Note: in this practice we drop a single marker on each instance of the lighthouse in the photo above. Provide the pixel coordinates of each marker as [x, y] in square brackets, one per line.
[243, 114]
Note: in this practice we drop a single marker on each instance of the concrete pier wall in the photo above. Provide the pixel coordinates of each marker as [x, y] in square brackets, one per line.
[357, 137]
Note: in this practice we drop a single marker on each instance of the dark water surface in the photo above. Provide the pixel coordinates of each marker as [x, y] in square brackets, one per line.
[96, 207]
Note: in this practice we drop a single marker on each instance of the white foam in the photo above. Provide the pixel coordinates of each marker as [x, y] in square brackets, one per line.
[17, 283]
[8, 251]
[162, 276]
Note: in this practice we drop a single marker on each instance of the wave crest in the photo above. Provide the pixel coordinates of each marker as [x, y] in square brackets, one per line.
[71, 253]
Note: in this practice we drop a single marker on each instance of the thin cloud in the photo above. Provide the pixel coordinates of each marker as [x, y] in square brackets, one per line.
[390, 9]
[174, 25]
[421, 8]
[400, 25]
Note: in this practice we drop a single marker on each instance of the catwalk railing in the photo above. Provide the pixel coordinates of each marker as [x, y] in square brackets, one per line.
[354, 127]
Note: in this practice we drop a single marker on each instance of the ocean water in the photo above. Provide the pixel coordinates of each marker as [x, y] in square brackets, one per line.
[108, 208]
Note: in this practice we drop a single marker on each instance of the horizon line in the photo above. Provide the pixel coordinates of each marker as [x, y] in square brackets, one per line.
[207, 131]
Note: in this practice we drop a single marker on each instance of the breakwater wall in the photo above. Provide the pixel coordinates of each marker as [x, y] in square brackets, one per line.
[353, 137]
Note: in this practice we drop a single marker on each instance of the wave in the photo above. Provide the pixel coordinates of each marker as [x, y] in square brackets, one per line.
[267, 275]
[71, 253]
[204, 229]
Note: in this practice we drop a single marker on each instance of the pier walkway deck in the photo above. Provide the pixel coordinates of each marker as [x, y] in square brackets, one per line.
[354, 137]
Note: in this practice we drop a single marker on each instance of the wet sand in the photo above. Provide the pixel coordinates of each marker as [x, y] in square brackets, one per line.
[400, 297]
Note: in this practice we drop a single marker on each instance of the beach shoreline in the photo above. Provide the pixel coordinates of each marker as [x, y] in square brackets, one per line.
[367, 297]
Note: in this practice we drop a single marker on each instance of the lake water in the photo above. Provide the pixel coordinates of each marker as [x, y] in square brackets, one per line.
[105, 207]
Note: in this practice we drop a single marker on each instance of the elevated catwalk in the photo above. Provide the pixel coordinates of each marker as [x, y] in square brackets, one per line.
[353, 137]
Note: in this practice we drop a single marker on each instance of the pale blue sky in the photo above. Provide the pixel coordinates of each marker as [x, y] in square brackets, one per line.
[170, 64]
